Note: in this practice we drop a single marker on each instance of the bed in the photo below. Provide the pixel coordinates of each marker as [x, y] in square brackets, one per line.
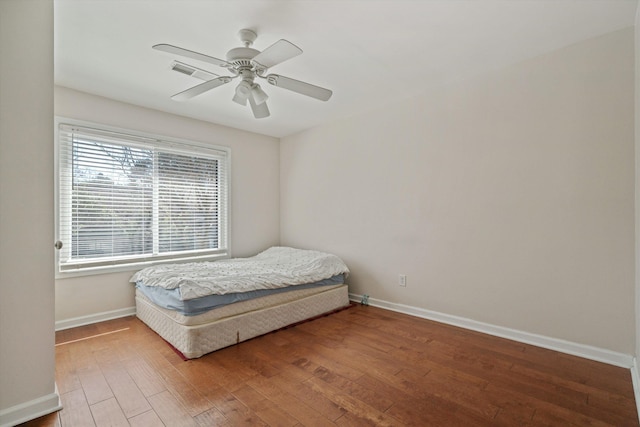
[202, 307]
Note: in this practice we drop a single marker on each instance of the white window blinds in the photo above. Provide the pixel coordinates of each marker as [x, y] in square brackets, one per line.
[129, 199]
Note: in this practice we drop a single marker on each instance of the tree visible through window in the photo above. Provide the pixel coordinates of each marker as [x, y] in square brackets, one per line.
[125, 198]
[188, 205]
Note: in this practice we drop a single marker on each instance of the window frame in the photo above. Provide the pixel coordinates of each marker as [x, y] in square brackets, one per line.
[168, 144]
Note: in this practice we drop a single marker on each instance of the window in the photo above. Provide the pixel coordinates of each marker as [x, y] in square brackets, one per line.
[128, 199]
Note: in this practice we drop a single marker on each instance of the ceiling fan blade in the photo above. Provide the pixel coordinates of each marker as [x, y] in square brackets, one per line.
[260, 111]
[278, 52]
[191, 54]
[190, 70]
[297, 86]
[201, 88]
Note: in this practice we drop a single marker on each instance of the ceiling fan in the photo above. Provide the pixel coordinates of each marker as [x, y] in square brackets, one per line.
[248, 64]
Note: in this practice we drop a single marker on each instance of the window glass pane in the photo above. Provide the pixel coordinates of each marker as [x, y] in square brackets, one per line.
[188, 203]
[111, 200]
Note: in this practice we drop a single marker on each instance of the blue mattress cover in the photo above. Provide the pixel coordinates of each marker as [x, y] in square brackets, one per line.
[170, 298]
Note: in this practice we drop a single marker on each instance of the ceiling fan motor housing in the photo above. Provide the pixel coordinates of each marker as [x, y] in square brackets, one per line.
[241, 56]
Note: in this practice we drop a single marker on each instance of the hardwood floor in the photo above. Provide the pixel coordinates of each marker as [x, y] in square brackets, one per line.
[361, 366]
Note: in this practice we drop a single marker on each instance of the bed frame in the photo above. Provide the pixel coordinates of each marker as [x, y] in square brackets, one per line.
[194, 336]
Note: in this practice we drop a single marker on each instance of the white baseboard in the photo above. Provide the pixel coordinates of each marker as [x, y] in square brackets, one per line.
[31, 410]
[94, 318]
[575, 349]
[636, 384]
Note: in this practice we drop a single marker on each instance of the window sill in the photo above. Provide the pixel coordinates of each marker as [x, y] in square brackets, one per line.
[133, 266]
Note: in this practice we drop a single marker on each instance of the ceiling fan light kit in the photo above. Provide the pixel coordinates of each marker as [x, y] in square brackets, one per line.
[259, 96]
[247, 64]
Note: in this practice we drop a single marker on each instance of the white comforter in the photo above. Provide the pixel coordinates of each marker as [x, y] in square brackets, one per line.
[277, 267]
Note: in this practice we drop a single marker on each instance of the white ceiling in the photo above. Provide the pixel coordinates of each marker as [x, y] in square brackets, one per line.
[369, 52]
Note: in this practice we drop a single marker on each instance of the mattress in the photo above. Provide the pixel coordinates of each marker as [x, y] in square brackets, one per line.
[170, 298]
[276, 267]
[197, 335]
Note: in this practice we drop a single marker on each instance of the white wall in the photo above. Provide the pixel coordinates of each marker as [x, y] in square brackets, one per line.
[637, 194]
[508, 199]
[27, 387]
[254, 192]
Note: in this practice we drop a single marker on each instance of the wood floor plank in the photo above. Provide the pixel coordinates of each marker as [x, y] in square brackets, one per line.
[351, 387]
[188, 396]
[305, 414]
[352, 405]
[207, 375]
[500, 373]
[447, 388]
[212, 417]
[334, 363]
[605, 401]
[93, 382]
[609, 402]
[544, 411]
[237, 412]
[147, 419]
[80, 333]
[170, 411]
[66, 376]
[272, 415]
[362, 366]
[51, 420]
[408, 386]
[147, 380]
[355, 355]
[248, 355]
[229, 358]
[294, 382]
[108, 414]
[125, 390]
[75, 410]
[427, 412]
[95, 386]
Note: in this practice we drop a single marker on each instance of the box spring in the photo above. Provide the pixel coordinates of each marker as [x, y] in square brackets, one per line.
[195, 336]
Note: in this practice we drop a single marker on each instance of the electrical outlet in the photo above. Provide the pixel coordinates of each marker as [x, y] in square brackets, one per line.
[402, 280]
